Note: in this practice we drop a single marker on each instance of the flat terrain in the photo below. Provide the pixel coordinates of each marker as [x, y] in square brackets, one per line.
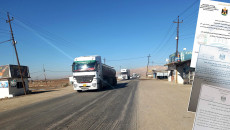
[163, 105]
[133, 104]
[109, 109]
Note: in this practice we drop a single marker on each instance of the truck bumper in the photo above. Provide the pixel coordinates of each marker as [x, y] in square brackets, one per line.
[85, 86]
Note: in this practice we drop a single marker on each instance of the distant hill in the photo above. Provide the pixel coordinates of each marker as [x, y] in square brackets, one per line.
[142, 70]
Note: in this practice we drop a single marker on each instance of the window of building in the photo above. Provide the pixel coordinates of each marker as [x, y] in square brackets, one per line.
[19, 84]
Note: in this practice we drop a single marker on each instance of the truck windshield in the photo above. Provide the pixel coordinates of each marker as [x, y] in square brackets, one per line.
[84, 66]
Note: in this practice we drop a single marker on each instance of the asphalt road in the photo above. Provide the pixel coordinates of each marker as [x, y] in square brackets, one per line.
[113, 108]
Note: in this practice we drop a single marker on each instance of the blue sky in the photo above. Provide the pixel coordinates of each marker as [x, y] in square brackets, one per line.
[53, 32]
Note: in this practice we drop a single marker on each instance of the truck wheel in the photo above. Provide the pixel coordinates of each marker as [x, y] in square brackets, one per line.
[100, 86]
[115, 82]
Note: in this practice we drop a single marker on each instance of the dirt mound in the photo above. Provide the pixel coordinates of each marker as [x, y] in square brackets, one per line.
[142, 70]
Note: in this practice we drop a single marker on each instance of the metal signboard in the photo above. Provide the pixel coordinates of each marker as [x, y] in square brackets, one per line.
[4, 71]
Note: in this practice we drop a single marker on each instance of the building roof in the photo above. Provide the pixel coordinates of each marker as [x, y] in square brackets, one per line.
[177, 63]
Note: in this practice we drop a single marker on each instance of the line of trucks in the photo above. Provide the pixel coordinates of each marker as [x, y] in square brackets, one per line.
[89, 73]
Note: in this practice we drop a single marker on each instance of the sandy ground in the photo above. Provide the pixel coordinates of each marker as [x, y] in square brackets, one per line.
[163, 105]
[37, 96]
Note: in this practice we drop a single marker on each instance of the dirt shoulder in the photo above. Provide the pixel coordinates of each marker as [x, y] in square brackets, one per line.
[38, 95]
[40, 92]
[162, 105]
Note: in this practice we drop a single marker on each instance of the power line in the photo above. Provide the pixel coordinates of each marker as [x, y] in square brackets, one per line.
[190, 6]
[57, 71]
[5, 41]
[166, 35]
[128, 59]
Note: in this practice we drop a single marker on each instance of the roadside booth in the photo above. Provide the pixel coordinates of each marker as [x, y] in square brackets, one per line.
[10, 80]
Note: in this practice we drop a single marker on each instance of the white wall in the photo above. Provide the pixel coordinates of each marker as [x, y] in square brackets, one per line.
[169, 77]
[4, 89]
[180, 80]
[18, 91]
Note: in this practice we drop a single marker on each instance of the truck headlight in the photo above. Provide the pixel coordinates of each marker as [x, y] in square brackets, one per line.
[94, 84]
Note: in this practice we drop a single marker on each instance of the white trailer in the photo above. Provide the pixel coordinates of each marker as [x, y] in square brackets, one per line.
[90, 74]
[125, 73]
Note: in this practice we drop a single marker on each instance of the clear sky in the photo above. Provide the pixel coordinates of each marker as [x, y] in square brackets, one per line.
[124, 32]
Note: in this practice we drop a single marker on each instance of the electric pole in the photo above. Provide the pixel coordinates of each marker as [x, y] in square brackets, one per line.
[44, 71]
[14, 44]
[177, 40]
[147, 66]
[104, 60]
[177, 37]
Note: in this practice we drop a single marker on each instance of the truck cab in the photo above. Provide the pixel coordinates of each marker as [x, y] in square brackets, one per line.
[86, 72]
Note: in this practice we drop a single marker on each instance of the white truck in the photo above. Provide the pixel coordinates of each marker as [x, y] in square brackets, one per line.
[125, 73]
[90, 74]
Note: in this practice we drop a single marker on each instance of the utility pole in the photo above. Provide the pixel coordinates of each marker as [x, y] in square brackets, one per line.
[177, 37]
[44, 71]
[104, 60]
[14, 44]
[152, 63]
[147, 66]
[177, 40]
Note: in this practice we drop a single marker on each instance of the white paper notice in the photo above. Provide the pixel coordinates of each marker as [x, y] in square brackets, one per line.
[213, 111]
[213, 26]
[213, 68]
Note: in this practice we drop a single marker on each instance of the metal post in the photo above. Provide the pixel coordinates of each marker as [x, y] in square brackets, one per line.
[14, 44]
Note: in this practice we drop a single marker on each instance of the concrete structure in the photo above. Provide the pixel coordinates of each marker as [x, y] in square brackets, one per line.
[160, 74]
[10, 80]
[180, 71]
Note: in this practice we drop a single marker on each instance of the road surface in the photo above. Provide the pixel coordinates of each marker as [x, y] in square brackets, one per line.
[113, 108]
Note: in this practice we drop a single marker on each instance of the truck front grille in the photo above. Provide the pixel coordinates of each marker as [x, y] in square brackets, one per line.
[84, 79]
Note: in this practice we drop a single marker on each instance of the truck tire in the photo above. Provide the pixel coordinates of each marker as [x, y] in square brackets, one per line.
[115, 81]
[100, 87]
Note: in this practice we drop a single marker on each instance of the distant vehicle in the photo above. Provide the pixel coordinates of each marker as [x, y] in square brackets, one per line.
[90, 74]
[125, 74]
[134, 75]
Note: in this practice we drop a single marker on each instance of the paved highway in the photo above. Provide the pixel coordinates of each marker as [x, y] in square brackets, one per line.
[113, 108]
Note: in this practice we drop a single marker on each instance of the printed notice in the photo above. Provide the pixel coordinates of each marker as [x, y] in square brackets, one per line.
[213, 27]
[213, 68]
[213, 111]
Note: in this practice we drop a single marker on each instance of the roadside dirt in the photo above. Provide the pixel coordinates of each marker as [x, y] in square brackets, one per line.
[162, 105]
[40, 92]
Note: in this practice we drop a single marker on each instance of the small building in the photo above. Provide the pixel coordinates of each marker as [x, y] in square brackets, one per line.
[179, 71]
[10, 80]
[162, 74]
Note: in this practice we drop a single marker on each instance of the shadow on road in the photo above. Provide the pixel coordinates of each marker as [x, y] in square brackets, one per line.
[108, 88]
[42, 91]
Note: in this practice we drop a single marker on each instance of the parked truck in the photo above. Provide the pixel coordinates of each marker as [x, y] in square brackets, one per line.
[89, 73]
[125, 73]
